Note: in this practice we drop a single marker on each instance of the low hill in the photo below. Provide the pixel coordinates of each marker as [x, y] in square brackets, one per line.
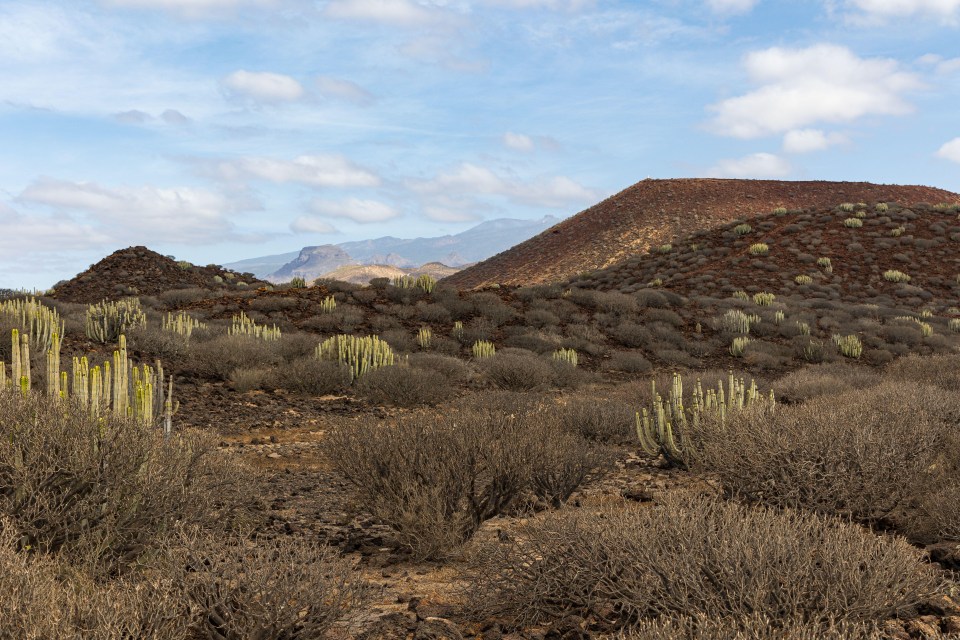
[887, 255]
[363, 274]
[654, 212]
[140, 271]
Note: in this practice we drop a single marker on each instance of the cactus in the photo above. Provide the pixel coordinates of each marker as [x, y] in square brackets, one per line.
[426, 282]
[847, 207]
[803, 279]
[803, 328]
[328, 305]
[881, 207]
[182, 324]
[742, 229]
[763, 299]
[457, 331]
[298, 282]
[738, 346]
[825, 263]
[853, 223]
[778, 317]
[242, 325]
[892, 275]
[665, 429]
[741, 295]
[107, 320]
[850, 346]
[34, 319]
[759, 249]
[736, 321]
[424, 337]
[780, 211]
[360, 354]
[665, 248]
[483, 349]
[954, 325]
[566, 355]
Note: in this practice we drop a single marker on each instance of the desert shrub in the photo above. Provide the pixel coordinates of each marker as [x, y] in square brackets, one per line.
[695, 557]
[941, 371]
[489, 306]
[400, 340]
[152, 343]
[754, 627]
[540, 318]
[272, 303]
[822, 380]
[404, 386]
[607, 420]
[436, 479]
[102, 489]
[850, 454]
[249, 379]
[517, 371]
[219, 357]
[311, 376]
[272, 589]
[456, 371]
[629, 362]
[632, 335]
[434, 313]
[536, 341]
[176, 298]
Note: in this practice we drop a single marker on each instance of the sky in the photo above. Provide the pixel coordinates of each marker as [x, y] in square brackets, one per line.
[217, 130]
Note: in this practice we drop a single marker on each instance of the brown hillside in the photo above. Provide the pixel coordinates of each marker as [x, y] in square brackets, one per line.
[654, 212]
[922, 242]
[140, 271]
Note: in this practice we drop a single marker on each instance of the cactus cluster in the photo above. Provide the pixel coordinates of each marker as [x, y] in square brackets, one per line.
[483, 349]
[847, 207]
[665, 248]
[763, 299]
[457, 331]
[182, 324]
[39, 322]
[925, 329]
[824, 263]
[424, 337]
[736, 321]
[106, 321]
[780, 211]
[328, 305]
[665, 427]
[19, 362]
[741, 295]
[779, 317]
[881, 207]
[803, 279]
[803, 328]
[297, 282]
[850, 346]
[742, 229]
[242, 325]
[892, 275]
[361, 354]
[853, 223]
[423, 281]
[738, 346]
[566, 355]
[954, 325]
[759, 249]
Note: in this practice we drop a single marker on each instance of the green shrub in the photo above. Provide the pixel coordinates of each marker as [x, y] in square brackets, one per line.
[742, 229]
[892, 275]
[853, 223]
[803, 279]
[759, 249]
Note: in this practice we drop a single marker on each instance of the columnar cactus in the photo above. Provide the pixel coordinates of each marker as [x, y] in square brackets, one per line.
[457, 331]
[763, 299]
[424, 337]
[243, 325]
[361, 354]
[34, 319]
[182, 324]
[759, 249]
[328, 304]
[736, 321]
[892, 275]
[566, 355]
[107, 320]
[850, 346]
[738, 346]
[665, 428]
[483, 349]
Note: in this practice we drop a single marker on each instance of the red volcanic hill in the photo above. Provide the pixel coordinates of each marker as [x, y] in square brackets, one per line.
[655, 212]
[138, 271]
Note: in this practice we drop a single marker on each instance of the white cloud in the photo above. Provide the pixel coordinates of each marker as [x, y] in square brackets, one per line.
[191, 8]
[809, 140]
[946, 9]
[566, 5]
[757, 165]
[801, 87]
[28, 235]
[356, 209]
[518, 141]
[312, 224]
[394, 12]
[344, 90]
[263, 86]
[732, 6]
[172, 116]
[949, 66]
[146, 213]
[950, 151]
[310, 170]
[468, 178]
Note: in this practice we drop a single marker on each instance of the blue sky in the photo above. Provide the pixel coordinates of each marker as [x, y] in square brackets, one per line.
[216, 130]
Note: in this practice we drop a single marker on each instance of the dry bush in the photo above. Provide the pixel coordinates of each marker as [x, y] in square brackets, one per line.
[628, 362]
[281, 589]
[822, 380]
[435, 480]
[243, 379]
[754, 627]
[102, 490]
[697, 557]
[217, 358]
[152, 342]
[176, 298]
[456, 371]
[867, 454]
[404, 386]
[606, 420]
[518, 371]
[311, 376]
[942, 371]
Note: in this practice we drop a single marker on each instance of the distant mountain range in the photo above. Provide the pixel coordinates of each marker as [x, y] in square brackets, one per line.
[465, 248]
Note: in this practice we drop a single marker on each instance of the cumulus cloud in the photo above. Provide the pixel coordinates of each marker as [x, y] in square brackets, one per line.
[566, 5]
[191, 8]
[263, 86]
[950, 151]
[341, 89]
[28, 235]
[311, 170]
[809, 140]
[312, 224]
[394, 12]
[946, 9]
[731, 6]
[135, 116]
[468, 178]
[518, 141]
[356, 209]
[757, 165]
[145, 213]
[822, 83]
